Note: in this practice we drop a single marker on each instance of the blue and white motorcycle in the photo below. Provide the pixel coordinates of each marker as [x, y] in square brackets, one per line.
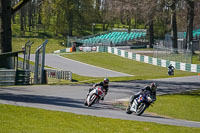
[170, 70]
[139, 105]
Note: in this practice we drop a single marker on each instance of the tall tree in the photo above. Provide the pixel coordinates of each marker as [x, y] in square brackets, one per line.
[6, 12]
[172, 4]
[68, 16]
[149, 9]
[190, 20]
[174, 23]
[5, 26]
[22, 21]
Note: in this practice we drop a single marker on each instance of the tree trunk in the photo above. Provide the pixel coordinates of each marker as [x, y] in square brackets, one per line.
[70, 32]
[190, 19]
[30, 16]
[22, 21]
[13, 19]
[135, 24]
[5, 29]
[129, 24]
[104, 26]
[33, 14]
[5, 26]
[39, 18]
[174, 26]
[13, 2]
[151, 33]
[107, 26]
[5, 32]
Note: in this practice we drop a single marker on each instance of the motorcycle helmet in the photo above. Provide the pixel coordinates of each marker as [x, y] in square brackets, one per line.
[106, 81]
[153, 86]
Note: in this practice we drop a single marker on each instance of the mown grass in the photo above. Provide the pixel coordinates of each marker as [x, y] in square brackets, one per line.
[52, 45]
[76, 79]
[15, 119]
[195, 59]
[181, 106]
[141, 71]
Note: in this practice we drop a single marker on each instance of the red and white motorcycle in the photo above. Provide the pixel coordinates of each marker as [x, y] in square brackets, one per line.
[94, 96]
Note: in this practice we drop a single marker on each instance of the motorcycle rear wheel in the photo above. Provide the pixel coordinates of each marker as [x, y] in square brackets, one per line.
[128, 110]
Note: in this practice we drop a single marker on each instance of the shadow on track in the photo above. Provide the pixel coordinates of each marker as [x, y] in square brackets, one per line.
[38, 99]
[164, 87]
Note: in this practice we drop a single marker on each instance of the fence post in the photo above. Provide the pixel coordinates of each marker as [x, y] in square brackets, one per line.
[43, 74]
[37, 65]
[36, 68]
[70, 76]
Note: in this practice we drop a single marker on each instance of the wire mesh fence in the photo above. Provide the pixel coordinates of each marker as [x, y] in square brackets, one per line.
[27, 51]
[172, 54]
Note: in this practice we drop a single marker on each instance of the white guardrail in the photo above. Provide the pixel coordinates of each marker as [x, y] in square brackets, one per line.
[155, 61]
[146, 59]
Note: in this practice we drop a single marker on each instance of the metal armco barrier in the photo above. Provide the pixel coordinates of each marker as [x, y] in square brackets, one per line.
[23, 77]
[7, 76]
[57, 74]
[51, 73]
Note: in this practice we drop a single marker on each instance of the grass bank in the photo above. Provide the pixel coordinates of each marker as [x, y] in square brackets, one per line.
[181, 106]
[141, 71]
[52, 45]
[196, 59]
[30, 120]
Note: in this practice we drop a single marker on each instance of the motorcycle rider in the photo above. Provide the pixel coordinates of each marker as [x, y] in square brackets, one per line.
[170, 67]
[148, 90]
[103, 84]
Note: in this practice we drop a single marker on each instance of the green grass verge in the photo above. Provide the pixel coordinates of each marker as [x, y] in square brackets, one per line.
[195, 59]
[175, 57]
[181, 106]
[15, 119]
[52, 45]
[141, 71]
[76, 79]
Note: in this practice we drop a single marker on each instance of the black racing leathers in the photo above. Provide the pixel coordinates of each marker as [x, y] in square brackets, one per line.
[105, 86]
[146, 91]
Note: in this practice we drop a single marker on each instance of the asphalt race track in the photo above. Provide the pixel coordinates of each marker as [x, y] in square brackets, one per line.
[69, 98]
[77, 67]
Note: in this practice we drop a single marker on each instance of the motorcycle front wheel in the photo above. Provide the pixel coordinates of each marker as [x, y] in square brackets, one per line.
[141, 108]
[85, 102]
